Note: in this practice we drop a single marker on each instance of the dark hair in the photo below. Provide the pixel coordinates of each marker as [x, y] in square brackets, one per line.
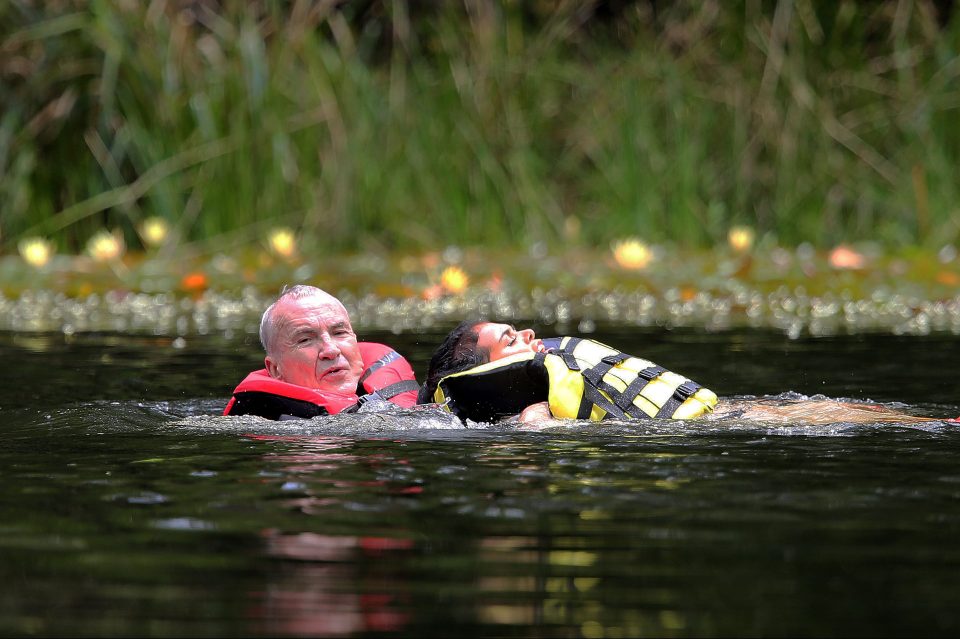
[458, 352]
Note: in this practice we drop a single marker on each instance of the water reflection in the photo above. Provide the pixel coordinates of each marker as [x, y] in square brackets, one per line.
[321, 589]
[329, 585]
[524, 563]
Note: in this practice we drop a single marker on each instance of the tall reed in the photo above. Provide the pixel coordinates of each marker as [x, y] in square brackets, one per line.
[389, 125]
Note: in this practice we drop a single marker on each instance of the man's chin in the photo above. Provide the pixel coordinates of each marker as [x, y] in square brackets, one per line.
[342, 382]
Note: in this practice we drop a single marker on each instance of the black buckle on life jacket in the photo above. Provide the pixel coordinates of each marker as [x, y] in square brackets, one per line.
[596, 373]
[618, 405]
[614, 358]
[680, 395]
[370, 398]
[625, 399]
[686, 389]
[651, 372]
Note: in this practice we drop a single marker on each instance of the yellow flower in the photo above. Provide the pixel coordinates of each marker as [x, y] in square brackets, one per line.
[454, 279]
[740, 238]
[282, 242]
[35, 251]
[105, 246]
[632, 254]
[154, 231]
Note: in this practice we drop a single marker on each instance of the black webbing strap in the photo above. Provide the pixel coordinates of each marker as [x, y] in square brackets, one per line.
[594, 383]
[593, 397]
[566, 352]
[586, 403]
[624, 405]
[394, 389]
[383, 361]
[683, 392]
[644, 377]
[595, 374]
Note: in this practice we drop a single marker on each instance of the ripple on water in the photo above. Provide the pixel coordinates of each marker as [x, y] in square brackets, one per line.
[202, 417]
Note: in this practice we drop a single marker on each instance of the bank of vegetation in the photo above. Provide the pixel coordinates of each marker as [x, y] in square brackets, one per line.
[388, 125]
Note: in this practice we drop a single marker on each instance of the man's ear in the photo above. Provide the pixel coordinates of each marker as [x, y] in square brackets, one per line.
[272, 367]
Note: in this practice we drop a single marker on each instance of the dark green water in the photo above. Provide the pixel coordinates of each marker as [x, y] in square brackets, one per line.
[127, 510]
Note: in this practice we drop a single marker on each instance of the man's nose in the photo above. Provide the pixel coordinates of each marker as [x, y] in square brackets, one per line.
[527, 335]
[328, 348]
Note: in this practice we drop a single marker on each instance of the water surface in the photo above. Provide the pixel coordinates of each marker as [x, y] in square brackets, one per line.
[130, 508]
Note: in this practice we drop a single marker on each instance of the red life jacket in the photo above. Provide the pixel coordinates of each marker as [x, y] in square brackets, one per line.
[385, 373]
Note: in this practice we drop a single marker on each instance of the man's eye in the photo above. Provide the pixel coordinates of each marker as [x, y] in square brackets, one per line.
[512, 342]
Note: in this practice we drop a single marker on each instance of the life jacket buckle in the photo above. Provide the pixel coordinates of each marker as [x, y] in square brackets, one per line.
[370, 397]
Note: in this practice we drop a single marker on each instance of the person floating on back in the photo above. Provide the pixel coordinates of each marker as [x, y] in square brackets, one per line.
[485, 372]
[314, 364]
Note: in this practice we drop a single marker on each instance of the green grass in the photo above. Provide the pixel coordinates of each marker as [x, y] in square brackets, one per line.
[372, 129]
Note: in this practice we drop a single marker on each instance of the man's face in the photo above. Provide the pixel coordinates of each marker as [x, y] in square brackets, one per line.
[503, 340]
[314, 345]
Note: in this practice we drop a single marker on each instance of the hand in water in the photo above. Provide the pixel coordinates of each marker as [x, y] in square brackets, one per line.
[536, 413]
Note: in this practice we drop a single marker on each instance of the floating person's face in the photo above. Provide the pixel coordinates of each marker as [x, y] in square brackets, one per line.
[503, 340]
[315, 346]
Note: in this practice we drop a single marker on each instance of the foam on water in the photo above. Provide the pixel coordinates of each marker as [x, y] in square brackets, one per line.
[429, 421]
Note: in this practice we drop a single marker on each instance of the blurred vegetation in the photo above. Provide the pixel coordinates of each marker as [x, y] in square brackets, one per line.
[386, 125]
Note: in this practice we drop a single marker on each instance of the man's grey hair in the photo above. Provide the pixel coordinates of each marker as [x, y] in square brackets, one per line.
[268, 322]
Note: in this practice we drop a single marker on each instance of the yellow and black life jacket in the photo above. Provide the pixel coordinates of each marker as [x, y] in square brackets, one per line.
[581, 379]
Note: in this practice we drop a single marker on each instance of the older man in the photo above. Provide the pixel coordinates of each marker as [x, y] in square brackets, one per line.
[314, 364]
